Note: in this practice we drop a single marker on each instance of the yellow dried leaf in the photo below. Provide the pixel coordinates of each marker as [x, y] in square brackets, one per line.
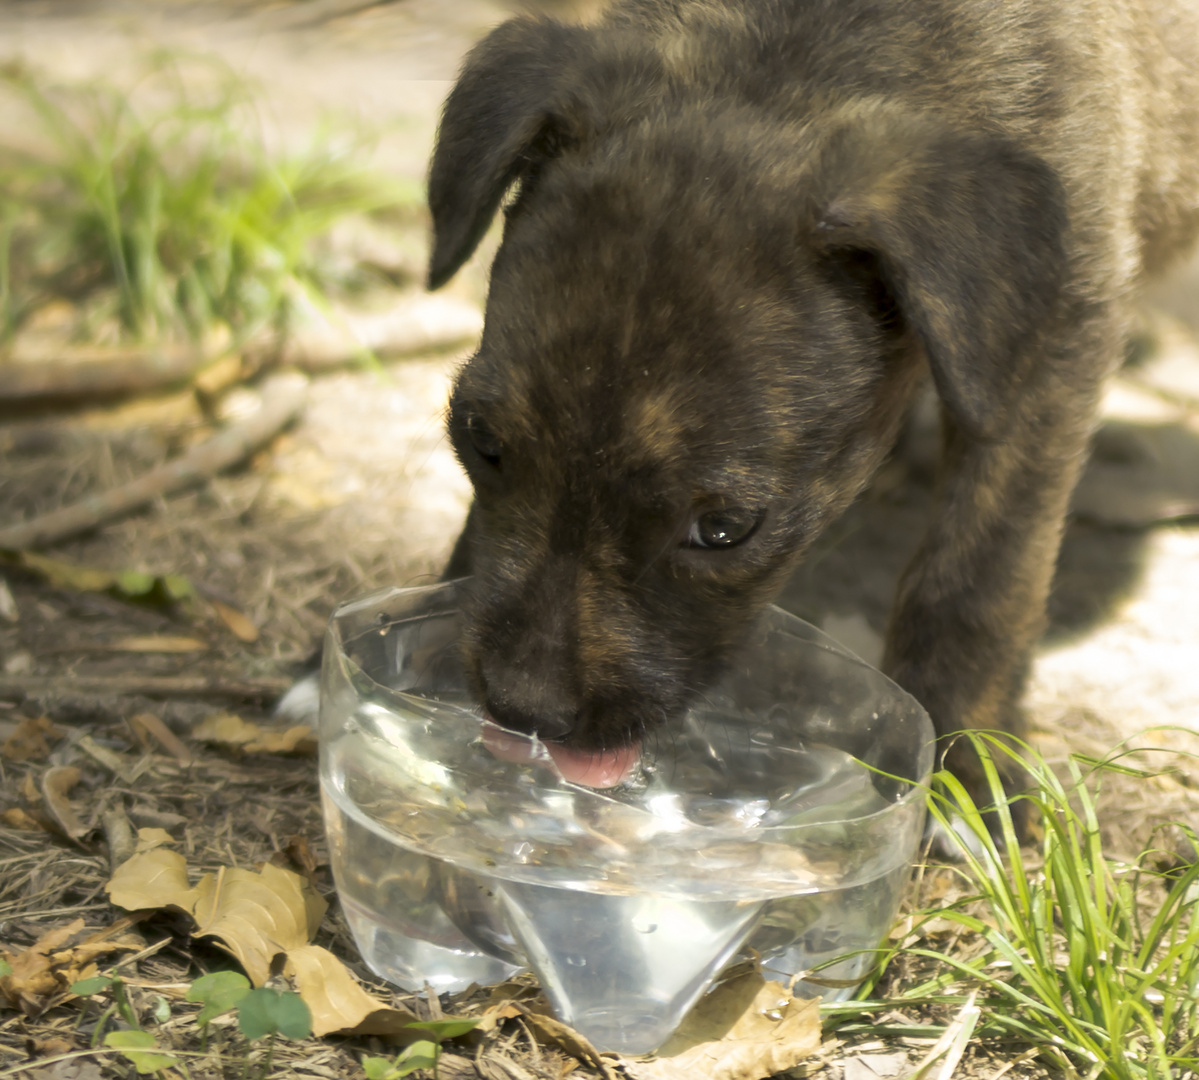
[64, 575]
[336, 1000]
[553, 1031]
[159, 643]
[745, 1029]
[148, 839]
[231, 730]
[16, 818]
[150, 729]
[295, 740]
[32, 985]
[56, 786]
[226, 728]
[238, 624]
[152, 878]
[31, 741]
[496, 1014]
[258, 915]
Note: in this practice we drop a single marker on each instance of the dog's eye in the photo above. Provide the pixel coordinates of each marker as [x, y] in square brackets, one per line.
[723, 528]
[486, 445]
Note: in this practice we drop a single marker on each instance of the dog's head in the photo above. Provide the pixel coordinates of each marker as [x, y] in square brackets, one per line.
[702, 329]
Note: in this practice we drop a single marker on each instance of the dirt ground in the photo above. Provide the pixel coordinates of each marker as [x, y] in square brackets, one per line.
[363, 492]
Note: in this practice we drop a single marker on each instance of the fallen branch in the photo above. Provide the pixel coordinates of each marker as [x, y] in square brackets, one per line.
[282, 398]
[91, 374]
[423, 325]
[14, 687]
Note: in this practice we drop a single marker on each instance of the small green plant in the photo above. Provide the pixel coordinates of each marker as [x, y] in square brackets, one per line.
[422, 1054]
[1091, 960]
[121, 1004]
[266, 1014]
[170, 220]
[218, 992]
[261, 1014]
[138, 1047]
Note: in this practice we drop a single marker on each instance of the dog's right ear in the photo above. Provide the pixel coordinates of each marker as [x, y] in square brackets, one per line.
[498, 119]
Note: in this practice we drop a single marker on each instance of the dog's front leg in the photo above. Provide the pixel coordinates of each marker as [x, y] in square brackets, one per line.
[971, 605]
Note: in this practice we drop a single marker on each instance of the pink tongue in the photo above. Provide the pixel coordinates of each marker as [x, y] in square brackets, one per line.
[604, 769]
[593, 769]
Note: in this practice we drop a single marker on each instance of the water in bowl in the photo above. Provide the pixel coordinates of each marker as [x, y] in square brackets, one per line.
[620, 960]
[779, 815]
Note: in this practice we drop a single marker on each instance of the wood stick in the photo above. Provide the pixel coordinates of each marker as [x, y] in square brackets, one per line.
[103, 373]
[282, 399]
[265, 688]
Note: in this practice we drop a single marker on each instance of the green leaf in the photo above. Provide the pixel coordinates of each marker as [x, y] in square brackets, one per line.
[177, 587]
[5, 968]
[264, 1012]
[87, 987]
[377, 1068]
[420, 1055]
[450, 1028]
[162, 1010]
[141, 1050]
[219, 991]
[135, 582]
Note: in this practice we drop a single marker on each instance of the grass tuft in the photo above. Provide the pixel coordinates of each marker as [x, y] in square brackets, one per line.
[1091, 960]
[171, 218]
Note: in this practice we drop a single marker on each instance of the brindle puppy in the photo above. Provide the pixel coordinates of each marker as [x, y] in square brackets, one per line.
[738, 235]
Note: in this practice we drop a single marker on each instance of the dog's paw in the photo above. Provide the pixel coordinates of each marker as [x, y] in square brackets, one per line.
[301, 703]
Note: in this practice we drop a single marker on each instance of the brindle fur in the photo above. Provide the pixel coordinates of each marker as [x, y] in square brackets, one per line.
[739, 234]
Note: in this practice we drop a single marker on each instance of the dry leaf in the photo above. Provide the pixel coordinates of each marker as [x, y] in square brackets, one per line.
[497, 1014]
[744, 1029]
[300, 739]
[67, 575]
[150, 838]
[50, 1047]
[238, 624]
[229, 729]
[33, 984]
[553, 1031]
[16, 818]
[338, 1003]
[43, 974]
[119, 764]
[56, 785]
[32, 741]
[258, 915]
[149, 727]
[299, 853]
[158, 643]
[152, 878]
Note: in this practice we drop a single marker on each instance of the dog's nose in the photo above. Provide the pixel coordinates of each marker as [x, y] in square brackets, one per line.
[520, 701]
[550, 728]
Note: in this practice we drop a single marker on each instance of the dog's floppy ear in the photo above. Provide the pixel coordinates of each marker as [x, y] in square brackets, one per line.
[499, 112]
[969, 233]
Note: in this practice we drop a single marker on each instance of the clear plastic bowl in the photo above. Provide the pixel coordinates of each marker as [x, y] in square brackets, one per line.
[781, 816]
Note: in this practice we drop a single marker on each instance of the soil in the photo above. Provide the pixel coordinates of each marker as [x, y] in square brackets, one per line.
[363, 492]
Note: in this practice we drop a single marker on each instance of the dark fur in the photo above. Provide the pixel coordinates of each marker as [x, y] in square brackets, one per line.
[742, 233]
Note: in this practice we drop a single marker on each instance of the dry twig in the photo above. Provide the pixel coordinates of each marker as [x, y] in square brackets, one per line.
[282, 398]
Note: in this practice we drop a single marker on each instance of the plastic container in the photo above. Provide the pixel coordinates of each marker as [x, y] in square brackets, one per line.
[782, 816]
